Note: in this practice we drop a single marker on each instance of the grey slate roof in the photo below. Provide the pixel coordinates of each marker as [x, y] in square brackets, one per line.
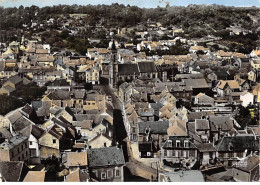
[147, 67]
[128, 69]
[13, 142]
[223, 122]
[206, 147]
[59, 82]
[238, 144]
[196, 83]
[156, 107]
[15, 115]
[108, 156]
[173, 139]
[27, 109]
[12, 171]
[202, 124]
[197, 115]
[15, 79]
[156, 127]
[22, 123]
[37, 132]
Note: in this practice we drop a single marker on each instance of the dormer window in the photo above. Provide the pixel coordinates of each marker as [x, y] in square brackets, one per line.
[186, 144]
[169, 143]
[178, 143]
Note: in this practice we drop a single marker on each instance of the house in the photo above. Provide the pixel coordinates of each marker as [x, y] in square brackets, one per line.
[220, 125]
[75, 160]
[151, 135]
[100, 140]
[12, 84]
[13, 171]
[106, 164]
[49, 144]
[179, 90]
[57, 84]
[203, 99]
[179, 149]
[226, 87]
[206, 153]
[90, 72]
[242, 83]
[182, 176]
[202, 129]
[198, 85]
[195, 49]
[15, 149]
[247, 98]
[231, 148]
[7, 71]
[247, 169]
[35, 135]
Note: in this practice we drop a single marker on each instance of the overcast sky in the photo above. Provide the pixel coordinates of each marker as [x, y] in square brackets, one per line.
[140, 3]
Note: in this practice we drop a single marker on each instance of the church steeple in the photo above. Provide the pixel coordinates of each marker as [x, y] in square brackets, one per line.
[113, 66]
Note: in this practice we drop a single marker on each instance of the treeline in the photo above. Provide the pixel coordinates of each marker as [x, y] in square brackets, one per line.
[213, 17]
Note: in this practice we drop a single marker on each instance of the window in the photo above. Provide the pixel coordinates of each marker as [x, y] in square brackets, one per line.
[109, 173]
[18, 150]
[30, 142]
[103, 175]
[117, 173]
[179, 153]
[178, 143]
[173, 153]
[169, 143]
[12, 154]
[186, 144]
[165, 153]
[54, 141]
[169, 153]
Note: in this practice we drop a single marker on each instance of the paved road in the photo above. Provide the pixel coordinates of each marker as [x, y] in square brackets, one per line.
[134, 170]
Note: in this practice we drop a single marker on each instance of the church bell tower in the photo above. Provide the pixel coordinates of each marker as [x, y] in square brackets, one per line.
[113, 67]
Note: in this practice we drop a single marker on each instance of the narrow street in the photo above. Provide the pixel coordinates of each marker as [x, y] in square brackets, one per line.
[134, 170]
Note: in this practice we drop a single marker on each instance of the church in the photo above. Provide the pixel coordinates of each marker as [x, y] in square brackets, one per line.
[119, 73]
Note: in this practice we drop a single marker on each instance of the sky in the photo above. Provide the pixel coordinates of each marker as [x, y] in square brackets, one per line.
[140, 3]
